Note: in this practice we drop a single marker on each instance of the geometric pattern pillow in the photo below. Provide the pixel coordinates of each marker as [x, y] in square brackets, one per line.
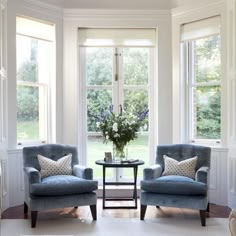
[59, 167]
[183, 168]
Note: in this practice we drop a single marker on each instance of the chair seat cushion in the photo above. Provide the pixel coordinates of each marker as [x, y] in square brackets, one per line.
[173, 184]
[63, 185]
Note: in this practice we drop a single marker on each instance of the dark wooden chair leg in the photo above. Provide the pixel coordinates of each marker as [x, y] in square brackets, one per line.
[208, 207]
[157, 207]
[75, 207]
[25, 208]
[93, 209]
[143, 211]
[203, 217]
[34, 215]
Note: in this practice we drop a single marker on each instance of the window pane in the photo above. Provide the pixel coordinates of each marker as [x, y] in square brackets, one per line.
[27, 113]
[207, 59]
[33, 59]
[96, 99]
[96, 151]
[136, 66]
[34, 66]
[136, 102]
[138, 149]
[99, 66]
[27, 59]
[207, 112]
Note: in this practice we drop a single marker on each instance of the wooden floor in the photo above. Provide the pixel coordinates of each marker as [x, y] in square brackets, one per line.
[84, 212]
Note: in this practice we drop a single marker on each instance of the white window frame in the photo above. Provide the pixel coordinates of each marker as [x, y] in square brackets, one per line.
[118, 94]
[45, 99]
[187, 62]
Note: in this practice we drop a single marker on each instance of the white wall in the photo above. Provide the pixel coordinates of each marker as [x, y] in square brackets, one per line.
[3, 105]
[112, 18]
[48, 14]
[231, 77]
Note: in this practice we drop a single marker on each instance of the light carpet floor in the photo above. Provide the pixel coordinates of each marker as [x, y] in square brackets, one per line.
[116, 227]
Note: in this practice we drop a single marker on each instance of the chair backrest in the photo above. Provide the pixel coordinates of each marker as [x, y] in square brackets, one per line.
[52, 151]
[182, 152]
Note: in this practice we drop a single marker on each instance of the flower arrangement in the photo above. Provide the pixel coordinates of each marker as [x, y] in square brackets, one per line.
[120, 128]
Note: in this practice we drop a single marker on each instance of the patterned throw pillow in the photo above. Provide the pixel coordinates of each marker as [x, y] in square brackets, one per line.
[59, 167]
[183, 168]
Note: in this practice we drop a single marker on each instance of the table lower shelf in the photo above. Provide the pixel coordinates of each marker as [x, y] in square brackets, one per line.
[119, 207]
[120, 199]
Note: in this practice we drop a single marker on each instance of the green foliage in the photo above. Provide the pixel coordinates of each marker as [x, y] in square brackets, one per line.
[99, 70]
[120, 128]
[136, 66]
[27, 96]
[209, 115]
[27, 103]
[208, 98]
[95, 100]
[27, 71]
[207, 59]
[99, 66]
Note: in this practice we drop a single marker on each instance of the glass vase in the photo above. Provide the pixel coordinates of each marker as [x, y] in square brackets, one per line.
[120, 152]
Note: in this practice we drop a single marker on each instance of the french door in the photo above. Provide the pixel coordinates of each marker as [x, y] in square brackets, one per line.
[117, 76]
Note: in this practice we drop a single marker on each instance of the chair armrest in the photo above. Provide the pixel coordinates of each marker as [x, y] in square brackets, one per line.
[152, 172]
[202, 174]
[83, 172]
[32, 175]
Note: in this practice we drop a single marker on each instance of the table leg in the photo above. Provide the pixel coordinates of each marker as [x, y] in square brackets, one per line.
[103, 189]
[135, 185]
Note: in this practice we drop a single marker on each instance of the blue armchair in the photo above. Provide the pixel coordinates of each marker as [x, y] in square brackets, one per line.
[160, 188]
[44, 191]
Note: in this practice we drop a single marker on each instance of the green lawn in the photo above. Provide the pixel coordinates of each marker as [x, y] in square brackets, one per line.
[27, 130]
[137, 149]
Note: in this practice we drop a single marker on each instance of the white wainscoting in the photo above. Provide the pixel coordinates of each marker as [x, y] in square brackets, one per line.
[1, 192]
[218, 177]
[232, 179]
[15, 176]
[4, 185]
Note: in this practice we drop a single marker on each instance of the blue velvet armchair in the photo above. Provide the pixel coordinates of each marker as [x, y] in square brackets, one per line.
[177, 190]
[56, 191]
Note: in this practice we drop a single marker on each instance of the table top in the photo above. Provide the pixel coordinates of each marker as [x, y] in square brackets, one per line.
[119, 164]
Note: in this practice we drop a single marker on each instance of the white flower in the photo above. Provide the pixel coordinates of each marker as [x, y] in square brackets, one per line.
[97, 124]
[106, 132]
[107, 137]
[115, 127]
[116, 135]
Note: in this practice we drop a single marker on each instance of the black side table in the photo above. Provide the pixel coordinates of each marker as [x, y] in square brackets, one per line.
[113, 164]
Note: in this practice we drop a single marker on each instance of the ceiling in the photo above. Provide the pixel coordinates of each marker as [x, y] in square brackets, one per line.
[124, 4]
